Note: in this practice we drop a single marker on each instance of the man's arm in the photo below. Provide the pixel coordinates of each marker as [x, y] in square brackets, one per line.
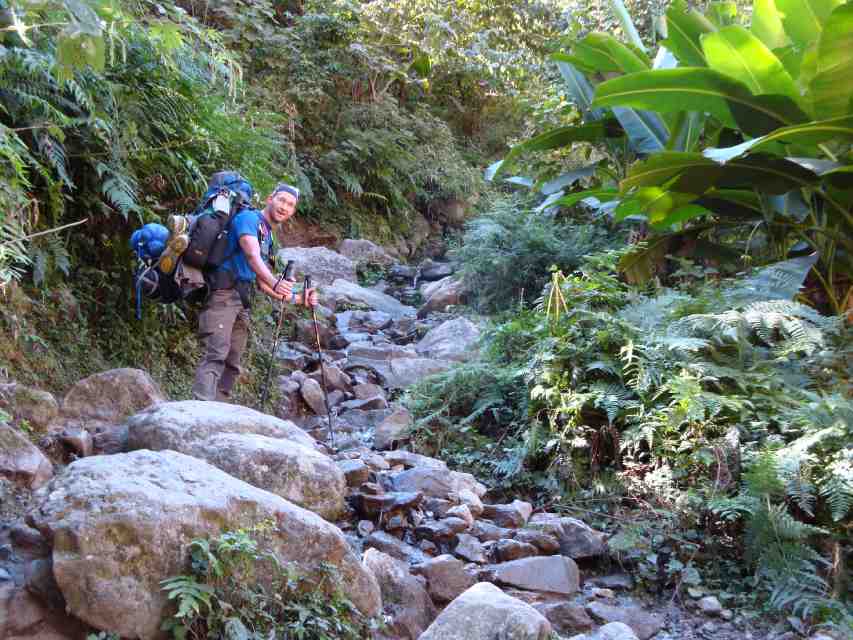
[266, 280]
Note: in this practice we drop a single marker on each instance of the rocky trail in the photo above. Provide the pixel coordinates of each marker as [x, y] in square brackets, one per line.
[84, 546]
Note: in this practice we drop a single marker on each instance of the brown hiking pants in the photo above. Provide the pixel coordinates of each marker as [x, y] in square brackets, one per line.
[223, 329]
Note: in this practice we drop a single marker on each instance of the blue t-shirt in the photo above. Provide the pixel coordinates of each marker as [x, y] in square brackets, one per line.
[248, 222]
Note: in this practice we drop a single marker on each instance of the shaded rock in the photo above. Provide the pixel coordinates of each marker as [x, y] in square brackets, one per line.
[710, 606]
[506, 550]
[470, 500]
[469, 548]
[367, 390]
[39, 408]
[431, 270]
[392, 429]
[446, 577]
[364, 252]
[484, 612]
[643, 624]
[404, 373]
[355, 472]
[335, 378]
[566, 618]
[577, 539]
[322, 264]
[128, 519]
[404, 598]
[289, 359]
[312, 394]
[462, 512]
[345, 292]
[411, 460]
[24, 616]
[554, 574]
[513, 515]
[372, 505]
[21, 461]
[369, 404]
[448, 291]
[359, 420]
[438, 483]
[102, 402]
[611, 631]
[451, 340]
[79, 440]
[546, 544]
[394, 547]
[329, 337]
[616, 581]
[485, 531]
[440, 531]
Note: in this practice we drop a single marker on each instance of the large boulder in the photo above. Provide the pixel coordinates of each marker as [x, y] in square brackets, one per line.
[101, 403]
[440, 295]
[364, 252]
[266, 452]
[484, 612]
[404, 598]
[121, 524]
[451, 340]
[171, 424]
[397, 366]
[37, 407]
[20, 460]
[342, 291]
[552, 574]
[577, 539]
[392, 429]
[322, 264]
[446, 577]
[431, 481]
[644, 624]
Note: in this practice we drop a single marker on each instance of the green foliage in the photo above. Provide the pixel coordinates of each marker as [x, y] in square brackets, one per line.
[237, 589]
[506, 252]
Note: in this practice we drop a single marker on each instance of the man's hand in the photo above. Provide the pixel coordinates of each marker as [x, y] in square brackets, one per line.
[284, 289]
[309, 298]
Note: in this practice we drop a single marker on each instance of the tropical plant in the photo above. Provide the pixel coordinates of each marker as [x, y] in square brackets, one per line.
[732, 133]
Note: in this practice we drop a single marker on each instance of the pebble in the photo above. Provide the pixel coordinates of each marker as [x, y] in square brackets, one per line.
[710, 606]
[603, 593]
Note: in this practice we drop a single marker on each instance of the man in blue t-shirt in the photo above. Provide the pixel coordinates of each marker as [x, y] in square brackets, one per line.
[224, 322]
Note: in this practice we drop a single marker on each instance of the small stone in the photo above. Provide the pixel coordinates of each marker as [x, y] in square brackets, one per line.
[695, 593]
[469, 548]
[710, 606]
[603, 593]
[616, 581]
[428, 547]
[355, 471]
[728, 614]
[505, 550]
[462, 512]
[365, 528]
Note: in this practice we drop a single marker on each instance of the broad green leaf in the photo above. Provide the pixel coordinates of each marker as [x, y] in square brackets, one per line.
[521, 181]
[567, 179]
[804, 19]
[640, 265]
[660, 168]
[705, 90]
[578, 86]
[791, 58]
[686, 131]
[729, 203]
[422, 66]
[722, 14]
[840, 178]
[624, 18]
[556, 138]
[767, 24]
[684, 30]
[604, 195]
[735, 52]
[678, 215]
[832, 87]
[646, 131]
[658, 204]
[809, 134]
[601, 52]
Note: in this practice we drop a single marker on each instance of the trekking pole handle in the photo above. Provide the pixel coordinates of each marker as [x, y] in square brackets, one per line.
[288, 273]
[306, 289]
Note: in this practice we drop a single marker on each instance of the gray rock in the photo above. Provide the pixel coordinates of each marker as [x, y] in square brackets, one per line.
[513, 515]
[411, 460]
[546, 544]
[485, 531]
[335, 378]
[643, 624]
[438, 483]
[355, 472]
[170, 424]
[367, 390]
[78, 439]
[554, 574]
[21, 461]
[470, 500]
[369, 404]
[454, 339]
[469, 548]
[484, 612]
[392, 429]
[359, 420]
[462, 512]
[616, 581]
[577, 539]
[322, 264]
[506, 550]
[39, 408]
[431, 271]
[404, 373]
[710, 606]
[394, 547]
[440, 295]
[102, 402]
[121, 524]
[364, 252]
[289, 359]
[404, 598]
[344, 291]
[566, 618]
[611, 631]
[312, 394]
[446, 577]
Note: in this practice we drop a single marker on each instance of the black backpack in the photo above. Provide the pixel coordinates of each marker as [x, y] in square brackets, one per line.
[227, 194]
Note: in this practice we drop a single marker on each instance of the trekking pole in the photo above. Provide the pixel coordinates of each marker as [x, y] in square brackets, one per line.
[287, 275]
[320, 359]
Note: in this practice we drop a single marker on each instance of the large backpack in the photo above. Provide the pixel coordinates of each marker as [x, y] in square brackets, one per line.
[227, 195]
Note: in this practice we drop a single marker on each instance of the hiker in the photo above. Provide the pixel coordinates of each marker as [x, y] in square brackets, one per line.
[224, 320]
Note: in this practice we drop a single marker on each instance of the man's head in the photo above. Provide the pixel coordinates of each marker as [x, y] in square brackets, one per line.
[281, 204]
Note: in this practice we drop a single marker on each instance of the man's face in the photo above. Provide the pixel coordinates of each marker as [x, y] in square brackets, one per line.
[281, 206]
